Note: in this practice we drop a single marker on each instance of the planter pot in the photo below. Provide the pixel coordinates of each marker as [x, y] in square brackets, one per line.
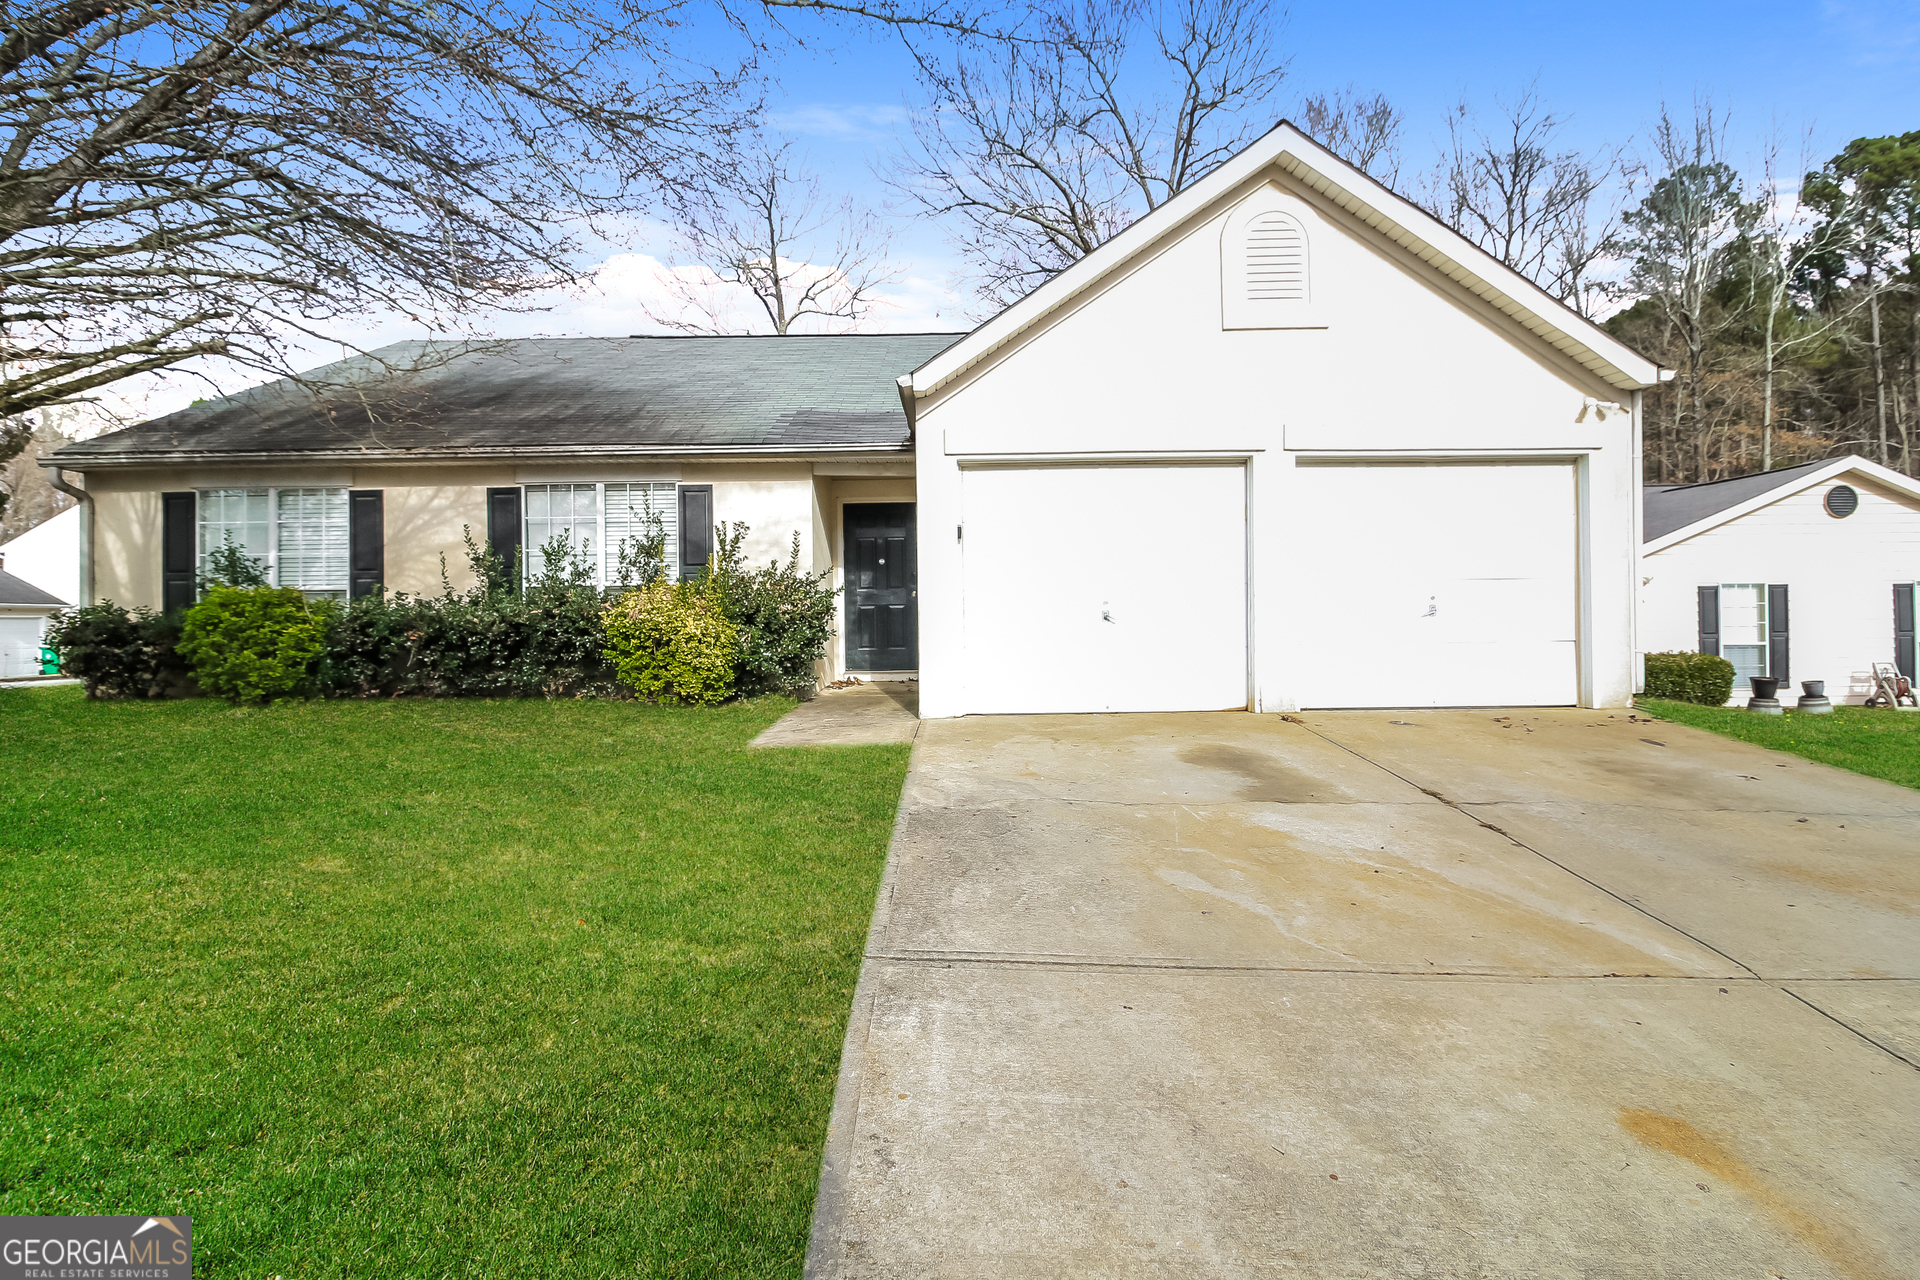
[1813, 701]
[1765, 688]
[1814, 688]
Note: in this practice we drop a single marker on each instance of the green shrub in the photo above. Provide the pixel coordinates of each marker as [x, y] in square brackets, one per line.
[1704, 678]
[120, 653]
[671, 642]
[253, 644]
[785, 616]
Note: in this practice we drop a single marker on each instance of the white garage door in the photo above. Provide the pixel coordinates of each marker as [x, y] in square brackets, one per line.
[20, 645]
[1118, 588]
[1437, 584]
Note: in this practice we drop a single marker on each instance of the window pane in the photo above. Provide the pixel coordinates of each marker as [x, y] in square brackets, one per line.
[1748, 660]
[561, 509]
[236, 515]
[628, 507]
[1743, 613]
[313, 541]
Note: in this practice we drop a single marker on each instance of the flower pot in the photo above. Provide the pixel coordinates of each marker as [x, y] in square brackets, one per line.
[1814, 688]
[1765, 688]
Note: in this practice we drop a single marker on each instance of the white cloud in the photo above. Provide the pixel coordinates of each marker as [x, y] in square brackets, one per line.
[854, 121]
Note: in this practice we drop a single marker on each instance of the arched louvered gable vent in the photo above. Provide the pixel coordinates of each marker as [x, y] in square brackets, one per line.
[1842, 501]
[1276, 259]
[1266, 266]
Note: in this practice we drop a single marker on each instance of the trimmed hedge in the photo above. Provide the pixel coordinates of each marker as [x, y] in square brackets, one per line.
[1704, 678]
[120, 653]
[253, 644]
[671, 643]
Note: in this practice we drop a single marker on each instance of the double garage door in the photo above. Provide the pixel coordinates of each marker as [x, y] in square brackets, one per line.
[1125, 588]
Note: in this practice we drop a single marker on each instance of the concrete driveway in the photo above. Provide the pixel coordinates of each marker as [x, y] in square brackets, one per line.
[1382, 994]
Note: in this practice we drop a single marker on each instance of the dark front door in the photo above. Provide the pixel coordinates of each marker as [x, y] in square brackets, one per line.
[883, 579]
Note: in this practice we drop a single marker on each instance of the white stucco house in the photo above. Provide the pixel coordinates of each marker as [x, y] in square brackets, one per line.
[1806, 573]
[1286, 442]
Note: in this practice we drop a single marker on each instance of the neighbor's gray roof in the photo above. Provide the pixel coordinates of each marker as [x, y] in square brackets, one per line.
[541, 395]
[18, 591]
[1675, 506]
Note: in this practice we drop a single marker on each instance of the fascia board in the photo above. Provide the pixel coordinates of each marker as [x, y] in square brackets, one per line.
[425, 457]
[1880, 475]
[1398, 219]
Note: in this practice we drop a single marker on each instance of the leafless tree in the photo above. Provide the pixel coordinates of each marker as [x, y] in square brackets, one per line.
[1365, 132]
[1505, 187]
[183, 178]
[1684, 240]
[769, 228]
[1042, 148]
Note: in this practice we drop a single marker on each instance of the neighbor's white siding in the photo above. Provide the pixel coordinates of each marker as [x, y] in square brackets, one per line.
[1839, 576]
[1407, 365]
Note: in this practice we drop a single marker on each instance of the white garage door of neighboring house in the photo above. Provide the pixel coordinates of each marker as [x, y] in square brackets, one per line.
[20, 645]
[1115, 588]
[1442, 585]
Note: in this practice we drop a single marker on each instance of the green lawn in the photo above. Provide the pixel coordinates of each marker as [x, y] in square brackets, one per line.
[1880, 744]
[411, 988]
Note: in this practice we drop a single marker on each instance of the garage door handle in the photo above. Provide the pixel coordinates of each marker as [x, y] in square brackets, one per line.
[1106, 615]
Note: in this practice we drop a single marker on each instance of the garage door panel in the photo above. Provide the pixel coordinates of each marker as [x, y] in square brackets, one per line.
[1457, 586]
[1105, 588]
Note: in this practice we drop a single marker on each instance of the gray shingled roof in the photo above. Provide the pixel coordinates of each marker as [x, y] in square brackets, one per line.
[536, 395]
[1675, 506]
[18, 591]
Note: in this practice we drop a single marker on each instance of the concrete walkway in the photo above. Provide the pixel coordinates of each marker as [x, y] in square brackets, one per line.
[1560, 994]
[881, 711]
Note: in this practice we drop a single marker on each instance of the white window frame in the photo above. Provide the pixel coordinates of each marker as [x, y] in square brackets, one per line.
[1759, 590]
[606, 548]
[271, 558]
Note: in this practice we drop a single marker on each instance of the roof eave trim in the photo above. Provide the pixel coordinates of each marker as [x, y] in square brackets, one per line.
[1409, 226]
[88, 462]
[1838, 467]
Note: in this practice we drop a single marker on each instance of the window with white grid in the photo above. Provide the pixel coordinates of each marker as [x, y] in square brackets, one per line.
[241, 516]
[553, 510]
[1743, 629]
[298, 537]
[312, 541]
[628, 508]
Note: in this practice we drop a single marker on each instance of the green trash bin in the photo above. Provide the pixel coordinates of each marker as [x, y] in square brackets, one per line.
[49, 662]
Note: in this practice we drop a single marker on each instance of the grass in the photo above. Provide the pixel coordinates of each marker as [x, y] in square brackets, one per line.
[1880, 744]
[414, 988]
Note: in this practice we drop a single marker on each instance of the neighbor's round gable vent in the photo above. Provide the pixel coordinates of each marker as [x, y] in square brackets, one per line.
[1842, 501]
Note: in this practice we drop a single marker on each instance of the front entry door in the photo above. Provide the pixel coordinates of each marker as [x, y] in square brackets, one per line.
[883, 613]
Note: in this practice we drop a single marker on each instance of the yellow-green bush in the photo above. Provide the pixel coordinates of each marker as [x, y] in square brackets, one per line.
[252, 644]
[670, 642]
[1690, 677]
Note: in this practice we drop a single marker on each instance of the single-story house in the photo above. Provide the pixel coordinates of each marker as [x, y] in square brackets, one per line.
[24, 610]
[1287, 441]
[1806, 573]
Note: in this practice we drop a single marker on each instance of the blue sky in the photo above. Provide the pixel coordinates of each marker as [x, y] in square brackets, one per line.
[1839, 69]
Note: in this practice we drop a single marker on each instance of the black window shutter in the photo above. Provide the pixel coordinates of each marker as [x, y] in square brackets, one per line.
[1710, 620]
[1777, 631]
[178, 563]
[1903, 610]
[696, 529]
[366, 542]
[504, 530]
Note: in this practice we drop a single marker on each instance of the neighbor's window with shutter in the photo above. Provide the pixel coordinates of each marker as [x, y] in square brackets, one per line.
[299, 536]
[627, 508]
[1743, 629]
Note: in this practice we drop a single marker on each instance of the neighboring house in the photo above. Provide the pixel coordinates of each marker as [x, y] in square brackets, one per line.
[1285, 442]
[48, 555]
[24, 610]
[1803, 574]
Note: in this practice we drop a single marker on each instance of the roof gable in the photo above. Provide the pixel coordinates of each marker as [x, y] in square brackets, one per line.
[1399, 220]
[19, 591]
[1674, 513]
